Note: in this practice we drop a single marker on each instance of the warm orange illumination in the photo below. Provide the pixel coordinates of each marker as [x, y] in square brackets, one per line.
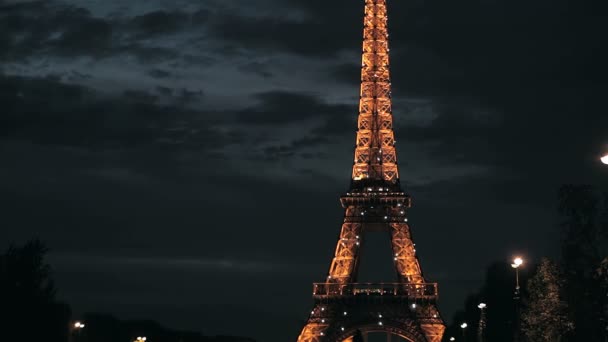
[374, 203]
[375, 156]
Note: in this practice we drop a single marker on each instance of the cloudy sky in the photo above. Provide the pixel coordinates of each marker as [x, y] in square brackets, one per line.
[183, 159]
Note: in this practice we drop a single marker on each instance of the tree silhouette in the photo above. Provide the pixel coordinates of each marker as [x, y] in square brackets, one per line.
[29, 310]
[107, 328]
[497, 293]
[545, 316]
[584, 225]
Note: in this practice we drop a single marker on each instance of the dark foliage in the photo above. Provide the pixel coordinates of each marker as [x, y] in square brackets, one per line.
[584, 213]
[29, 310]
[497, 293]
[584, 250]
[545, 314]
[103, 328]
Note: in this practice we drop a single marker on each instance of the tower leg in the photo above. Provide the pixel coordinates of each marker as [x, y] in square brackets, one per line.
[433, 332]
[344, 263]
[406, 262]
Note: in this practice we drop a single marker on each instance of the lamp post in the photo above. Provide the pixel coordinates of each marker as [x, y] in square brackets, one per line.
[464, 326]
[75, 331]
[482, 321]
[517, 262]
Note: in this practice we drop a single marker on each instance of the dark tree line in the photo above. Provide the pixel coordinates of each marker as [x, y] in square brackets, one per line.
[584, 227]
[561, 300]
[497, 292]
[30, 311]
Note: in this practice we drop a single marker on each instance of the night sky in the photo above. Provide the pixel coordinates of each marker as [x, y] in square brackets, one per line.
[183, 159]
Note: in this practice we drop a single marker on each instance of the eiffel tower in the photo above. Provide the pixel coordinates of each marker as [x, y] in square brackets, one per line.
[375, 202]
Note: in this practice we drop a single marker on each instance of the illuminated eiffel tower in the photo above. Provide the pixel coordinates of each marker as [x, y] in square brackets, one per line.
[375, 202]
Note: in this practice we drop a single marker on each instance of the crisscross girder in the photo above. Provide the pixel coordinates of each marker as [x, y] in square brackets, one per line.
[375, 157]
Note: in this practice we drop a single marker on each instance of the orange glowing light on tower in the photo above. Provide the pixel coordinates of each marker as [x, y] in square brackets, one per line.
[375, 202]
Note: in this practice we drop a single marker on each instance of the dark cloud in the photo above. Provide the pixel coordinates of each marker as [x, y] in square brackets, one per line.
[306, 148]
[48, 28]
[261, 69]
[496, 104]
[313, 36]
[46, 111]
[159, 22]
[281, 107]
[159, 73]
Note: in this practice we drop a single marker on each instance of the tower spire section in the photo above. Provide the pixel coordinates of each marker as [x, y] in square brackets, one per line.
[375, 203]
[375, 158]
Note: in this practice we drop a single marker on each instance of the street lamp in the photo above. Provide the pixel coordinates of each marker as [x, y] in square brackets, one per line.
[464, 325]
[604, 159]
[482, 321]
[141, 339]
[516, 263]
[452, 338]
[76, 330]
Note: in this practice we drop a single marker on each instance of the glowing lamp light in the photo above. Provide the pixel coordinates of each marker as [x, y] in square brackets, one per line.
[604, 159]
[464, 325]
[452, 339]
[517, 262]
[78, 325]
[482, 305]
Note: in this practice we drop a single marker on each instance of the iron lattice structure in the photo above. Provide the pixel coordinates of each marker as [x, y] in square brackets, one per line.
[375, 202]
